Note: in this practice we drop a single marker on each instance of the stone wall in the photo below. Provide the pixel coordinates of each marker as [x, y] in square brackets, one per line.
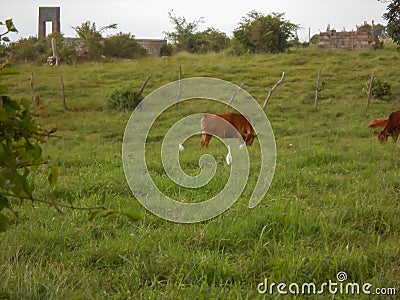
[152, 46]
[348, 40]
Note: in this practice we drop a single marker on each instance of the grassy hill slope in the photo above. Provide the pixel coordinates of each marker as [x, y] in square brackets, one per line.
[333, 204]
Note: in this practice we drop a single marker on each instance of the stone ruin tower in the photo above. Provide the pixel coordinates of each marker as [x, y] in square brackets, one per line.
[48, 14]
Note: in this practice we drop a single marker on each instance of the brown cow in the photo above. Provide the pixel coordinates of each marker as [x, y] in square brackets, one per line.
[392, 127]
[377, 123]
[211, 124]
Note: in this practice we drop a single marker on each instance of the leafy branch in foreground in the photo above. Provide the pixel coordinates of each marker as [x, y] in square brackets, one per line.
[10, 27]
[21, 155]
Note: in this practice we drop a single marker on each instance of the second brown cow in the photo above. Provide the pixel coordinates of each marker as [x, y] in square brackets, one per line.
[211, 124]
[392, 127]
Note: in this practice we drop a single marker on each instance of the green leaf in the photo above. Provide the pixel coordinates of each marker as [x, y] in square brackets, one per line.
[132, 215]
[7, 157]
[16, 180]
[3, 114]
[5, 39]
[10, 26]
[26, 188]
[53, 177]
[11, 104]
[4, 203]
[25, 103]
[37, 153]
[3, 223]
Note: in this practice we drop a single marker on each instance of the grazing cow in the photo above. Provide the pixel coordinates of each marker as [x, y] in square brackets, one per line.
[392, 127]
[211, 124]
[377, 123]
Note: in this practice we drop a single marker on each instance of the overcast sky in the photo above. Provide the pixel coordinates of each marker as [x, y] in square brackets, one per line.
[149, 18]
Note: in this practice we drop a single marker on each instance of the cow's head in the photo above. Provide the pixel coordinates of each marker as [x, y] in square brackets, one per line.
[382, 136]
[249, 138]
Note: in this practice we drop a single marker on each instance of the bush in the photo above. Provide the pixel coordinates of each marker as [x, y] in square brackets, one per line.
[236, 48]
[123, 45]
[123, 99]
[381, 90]
[29, 50]
[187, 37]
[265, 34]
[33, 50]
[166, 50]
[211, 40]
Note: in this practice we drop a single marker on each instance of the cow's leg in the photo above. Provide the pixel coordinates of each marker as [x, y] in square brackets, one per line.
[395, 135]
[205, 139]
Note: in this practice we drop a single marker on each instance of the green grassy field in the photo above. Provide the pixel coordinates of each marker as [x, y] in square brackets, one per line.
[333, 204]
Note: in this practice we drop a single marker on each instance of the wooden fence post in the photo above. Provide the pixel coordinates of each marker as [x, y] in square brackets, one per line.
[63, 94]
[178, 97]
[371, 85]
[234, 94]
[143, 86]
[33, 101]
[272, 90]
[317, 90]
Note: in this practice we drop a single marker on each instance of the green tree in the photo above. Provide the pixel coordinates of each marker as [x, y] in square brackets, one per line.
[393, 17]
[211, 39]
[377, 28]
[123, 45]
[184, 36]
[314, 39]
[33, 50]
[187, 37]
[29, 49]
[67, 52]
[91, 39]
[259, 33]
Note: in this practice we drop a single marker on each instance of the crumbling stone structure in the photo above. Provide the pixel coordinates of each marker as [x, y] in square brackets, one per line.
[152, 46]
[48, 14]
[360, 39]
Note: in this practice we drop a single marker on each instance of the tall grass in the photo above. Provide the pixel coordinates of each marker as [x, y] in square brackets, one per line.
[333, 204]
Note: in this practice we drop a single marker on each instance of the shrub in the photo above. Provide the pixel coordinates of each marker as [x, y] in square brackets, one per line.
[211, 40]
[123, 99]
[91, 39]
[381, 90]
[236, 48]
[259, 33]
[33, 50]
[123, 45]
[29, 50]
[187, 37]
[166, 50]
